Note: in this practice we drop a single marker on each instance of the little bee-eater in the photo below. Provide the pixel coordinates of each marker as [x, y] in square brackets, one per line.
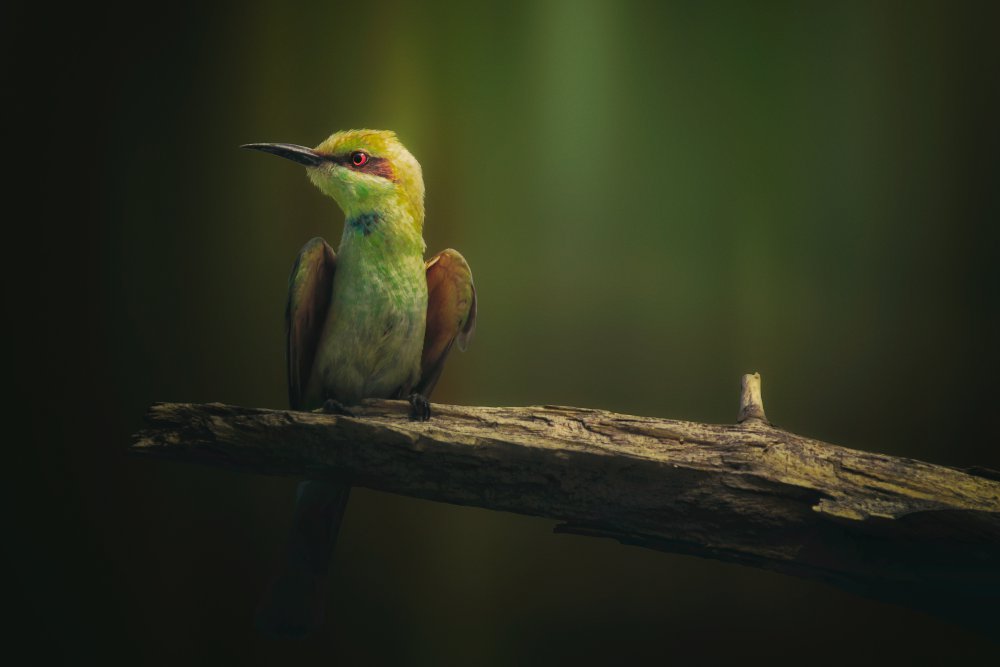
[373, 320]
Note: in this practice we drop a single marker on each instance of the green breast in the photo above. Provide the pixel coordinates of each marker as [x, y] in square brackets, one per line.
[373, 336]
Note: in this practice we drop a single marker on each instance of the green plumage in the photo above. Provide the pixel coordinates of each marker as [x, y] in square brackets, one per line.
[374, 331]
[370, 321]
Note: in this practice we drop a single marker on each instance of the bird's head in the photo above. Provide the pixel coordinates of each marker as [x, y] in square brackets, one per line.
[365, 171]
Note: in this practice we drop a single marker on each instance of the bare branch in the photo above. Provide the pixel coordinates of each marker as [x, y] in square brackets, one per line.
[893, 528]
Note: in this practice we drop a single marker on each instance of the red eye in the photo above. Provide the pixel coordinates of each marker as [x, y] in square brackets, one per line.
[358, 158]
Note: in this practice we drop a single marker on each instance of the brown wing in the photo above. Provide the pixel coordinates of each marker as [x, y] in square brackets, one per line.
[451, 314]
[309, 289]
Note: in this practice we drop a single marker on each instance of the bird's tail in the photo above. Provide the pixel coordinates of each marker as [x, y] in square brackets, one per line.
[294, 603]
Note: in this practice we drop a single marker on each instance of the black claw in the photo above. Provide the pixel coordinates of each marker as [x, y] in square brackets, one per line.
[420, 408]
[335, 407]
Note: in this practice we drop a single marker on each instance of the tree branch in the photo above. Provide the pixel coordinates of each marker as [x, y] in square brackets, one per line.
[897, 529]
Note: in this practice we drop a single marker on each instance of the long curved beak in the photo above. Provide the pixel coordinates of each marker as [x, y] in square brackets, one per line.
[293, 152]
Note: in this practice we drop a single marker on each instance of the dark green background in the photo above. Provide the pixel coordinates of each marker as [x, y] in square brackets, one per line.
[654, 198]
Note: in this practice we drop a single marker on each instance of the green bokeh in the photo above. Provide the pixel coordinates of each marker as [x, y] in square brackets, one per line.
[654, 198]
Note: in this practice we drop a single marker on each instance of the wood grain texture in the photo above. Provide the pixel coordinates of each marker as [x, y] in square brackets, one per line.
[897, 529]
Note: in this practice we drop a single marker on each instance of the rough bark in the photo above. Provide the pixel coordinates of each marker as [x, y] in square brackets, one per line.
[897, 529]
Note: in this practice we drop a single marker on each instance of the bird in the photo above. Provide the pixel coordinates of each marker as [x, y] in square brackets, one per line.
[372, 320]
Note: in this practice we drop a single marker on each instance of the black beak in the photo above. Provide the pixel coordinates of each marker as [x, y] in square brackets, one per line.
[300, 154]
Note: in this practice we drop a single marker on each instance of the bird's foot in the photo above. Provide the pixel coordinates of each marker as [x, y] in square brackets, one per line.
[420, 408]
[335, 407]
